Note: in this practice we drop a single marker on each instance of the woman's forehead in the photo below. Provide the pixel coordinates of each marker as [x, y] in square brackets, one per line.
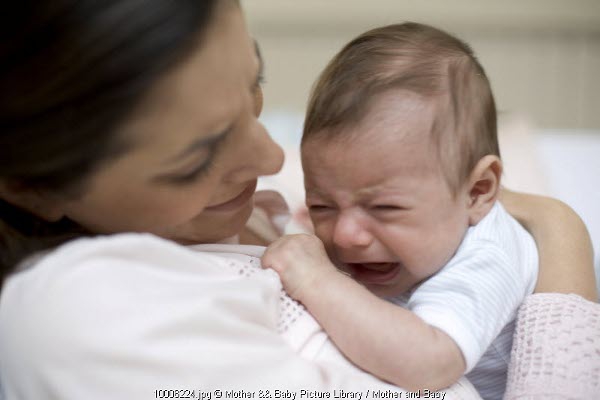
[204, 92]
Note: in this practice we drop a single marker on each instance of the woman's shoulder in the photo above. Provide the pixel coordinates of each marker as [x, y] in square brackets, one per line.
[120, 253]
[109, 303]
[132, 263]
[128, 247]
[124, 285]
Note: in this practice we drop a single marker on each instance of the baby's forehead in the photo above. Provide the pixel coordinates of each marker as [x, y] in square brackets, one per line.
[391, 116]
[380, 130]
[378, 155]
[398, 100]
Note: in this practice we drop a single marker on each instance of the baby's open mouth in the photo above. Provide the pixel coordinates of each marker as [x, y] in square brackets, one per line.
[379, 273]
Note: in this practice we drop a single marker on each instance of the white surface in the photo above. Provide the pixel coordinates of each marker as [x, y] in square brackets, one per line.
[571, 161]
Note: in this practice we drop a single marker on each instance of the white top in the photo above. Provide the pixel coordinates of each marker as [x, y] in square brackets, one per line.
[124, 316]
[475, 297]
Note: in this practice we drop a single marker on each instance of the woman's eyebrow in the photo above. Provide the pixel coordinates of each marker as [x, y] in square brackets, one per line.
[214, 139]
[201, 144]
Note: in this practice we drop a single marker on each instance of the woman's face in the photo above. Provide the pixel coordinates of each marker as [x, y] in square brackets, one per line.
[197, 151]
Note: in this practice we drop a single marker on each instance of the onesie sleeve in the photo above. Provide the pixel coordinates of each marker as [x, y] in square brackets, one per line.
[473, 297]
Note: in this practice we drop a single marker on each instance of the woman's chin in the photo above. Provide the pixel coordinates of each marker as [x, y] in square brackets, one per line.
[235, 225]
[213, 227]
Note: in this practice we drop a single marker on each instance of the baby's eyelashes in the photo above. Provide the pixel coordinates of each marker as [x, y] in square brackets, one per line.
[387, 211]
[377, 208]
[386, 207]
[319, 208]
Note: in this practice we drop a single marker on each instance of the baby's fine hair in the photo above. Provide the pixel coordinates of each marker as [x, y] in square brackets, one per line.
[425, 61]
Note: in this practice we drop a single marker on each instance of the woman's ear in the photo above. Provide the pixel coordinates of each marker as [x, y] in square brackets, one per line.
[484, 187]
[41, 204]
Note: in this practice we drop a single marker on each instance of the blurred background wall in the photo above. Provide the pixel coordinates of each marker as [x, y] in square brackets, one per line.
[542, 56]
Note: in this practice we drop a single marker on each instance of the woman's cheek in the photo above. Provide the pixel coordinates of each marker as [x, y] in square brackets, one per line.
[177, 208]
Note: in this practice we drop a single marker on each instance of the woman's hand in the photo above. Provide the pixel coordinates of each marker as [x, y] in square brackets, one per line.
[300, 260]
[564, 245]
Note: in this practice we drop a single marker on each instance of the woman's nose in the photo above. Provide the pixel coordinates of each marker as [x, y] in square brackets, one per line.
[269, 155]
[349, 232]
[259, 156]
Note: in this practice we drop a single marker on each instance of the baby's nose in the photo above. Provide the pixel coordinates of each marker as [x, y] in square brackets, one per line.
[349, 232]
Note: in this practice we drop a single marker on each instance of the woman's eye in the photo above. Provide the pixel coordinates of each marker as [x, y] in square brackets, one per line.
[203, 169]
[192, 176]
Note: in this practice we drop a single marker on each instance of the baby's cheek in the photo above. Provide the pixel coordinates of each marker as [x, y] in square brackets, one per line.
[329, 246]
[415, 250]
[447, 242]
[433, 255]
[324, 231]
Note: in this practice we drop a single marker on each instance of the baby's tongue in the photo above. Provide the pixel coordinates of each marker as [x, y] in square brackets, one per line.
[374, 272]
[379, 267]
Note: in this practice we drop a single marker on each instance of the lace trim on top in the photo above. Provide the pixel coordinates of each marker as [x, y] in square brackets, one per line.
[289, 309]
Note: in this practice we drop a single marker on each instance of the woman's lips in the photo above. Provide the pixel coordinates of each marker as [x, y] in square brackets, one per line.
[378, 273]
[236, 202]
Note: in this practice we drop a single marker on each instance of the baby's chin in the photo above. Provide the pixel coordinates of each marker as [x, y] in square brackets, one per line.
[385, 291]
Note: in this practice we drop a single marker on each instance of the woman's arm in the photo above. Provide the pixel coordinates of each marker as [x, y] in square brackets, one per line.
[557, 334]
[564, 245]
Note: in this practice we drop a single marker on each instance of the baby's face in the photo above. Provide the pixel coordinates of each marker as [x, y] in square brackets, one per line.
[379, 201]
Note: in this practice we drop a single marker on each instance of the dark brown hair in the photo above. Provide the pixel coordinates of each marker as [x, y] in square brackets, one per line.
[420, 59]
[71, 71]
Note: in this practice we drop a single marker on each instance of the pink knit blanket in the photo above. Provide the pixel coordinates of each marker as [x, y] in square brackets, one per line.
[556, 349]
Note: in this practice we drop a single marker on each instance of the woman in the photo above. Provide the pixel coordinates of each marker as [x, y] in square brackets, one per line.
[141, 116]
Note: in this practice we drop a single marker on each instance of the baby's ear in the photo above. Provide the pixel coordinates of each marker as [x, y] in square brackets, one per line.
[484, 187]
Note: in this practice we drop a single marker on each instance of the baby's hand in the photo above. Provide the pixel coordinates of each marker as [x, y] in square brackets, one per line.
[299, 260]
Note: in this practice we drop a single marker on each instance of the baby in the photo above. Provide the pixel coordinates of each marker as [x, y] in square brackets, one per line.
[402, 175]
